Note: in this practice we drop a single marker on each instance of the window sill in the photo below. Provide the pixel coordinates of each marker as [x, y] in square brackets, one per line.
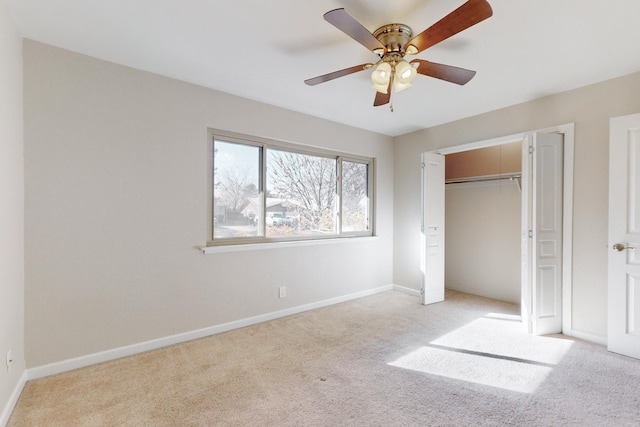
[280, 245]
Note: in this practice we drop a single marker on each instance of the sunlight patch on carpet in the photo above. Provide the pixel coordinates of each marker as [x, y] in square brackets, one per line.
[492, 350]
[504, 374]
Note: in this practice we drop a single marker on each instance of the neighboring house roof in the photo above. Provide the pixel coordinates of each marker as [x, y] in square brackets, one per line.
[273, 204]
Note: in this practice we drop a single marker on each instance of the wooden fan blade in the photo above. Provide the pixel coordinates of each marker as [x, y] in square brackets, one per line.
[340, 19]
[383, 98]
[467, 15]
[449, 73]
[340, 73]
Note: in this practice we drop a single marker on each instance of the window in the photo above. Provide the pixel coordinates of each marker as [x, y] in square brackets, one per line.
[269, 191]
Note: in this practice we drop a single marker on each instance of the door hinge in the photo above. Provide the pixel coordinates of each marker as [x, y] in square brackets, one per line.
[531, 234]
[531, 149]
[422, 165]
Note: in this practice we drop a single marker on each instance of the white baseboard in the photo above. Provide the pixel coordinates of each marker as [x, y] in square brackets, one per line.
[585, 336]
[13, 399]
[116, 353]
[405, 290]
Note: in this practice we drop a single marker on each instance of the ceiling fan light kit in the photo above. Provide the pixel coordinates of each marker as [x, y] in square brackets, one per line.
[392, 42]
[400, 72]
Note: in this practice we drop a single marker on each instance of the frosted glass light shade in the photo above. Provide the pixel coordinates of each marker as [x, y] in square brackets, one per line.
[399, 87]
[381, 76]
[404, 75]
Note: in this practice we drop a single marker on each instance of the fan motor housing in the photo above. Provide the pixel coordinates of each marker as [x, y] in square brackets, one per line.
[394, 37]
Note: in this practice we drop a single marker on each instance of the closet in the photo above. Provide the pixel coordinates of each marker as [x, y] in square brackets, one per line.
[483, 221]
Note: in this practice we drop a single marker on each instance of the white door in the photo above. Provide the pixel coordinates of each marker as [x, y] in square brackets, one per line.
[526, 238]
[542, 238]
[624, 236]
[432, 258]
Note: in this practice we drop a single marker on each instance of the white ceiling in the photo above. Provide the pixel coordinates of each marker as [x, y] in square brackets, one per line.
[264, 50]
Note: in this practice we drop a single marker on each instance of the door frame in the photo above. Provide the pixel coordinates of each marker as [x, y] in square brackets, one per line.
[568, 130]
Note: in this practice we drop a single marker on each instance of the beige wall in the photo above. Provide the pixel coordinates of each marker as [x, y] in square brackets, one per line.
[117, 202]
[11, 209]
[590, 108]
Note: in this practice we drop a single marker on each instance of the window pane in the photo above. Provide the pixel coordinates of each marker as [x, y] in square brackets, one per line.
[236, 177]
[301, 194]
[355, 196]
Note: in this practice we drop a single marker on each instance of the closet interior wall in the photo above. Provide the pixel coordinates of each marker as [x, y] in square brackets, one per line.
[482, 222]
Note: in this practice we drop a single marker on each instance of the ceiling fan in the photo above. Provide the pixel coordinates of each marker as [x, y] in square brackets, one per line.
[392, 42]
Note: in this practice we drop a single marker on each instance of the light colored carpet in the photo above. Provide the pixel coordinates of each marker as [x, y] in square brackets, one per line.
[383, 360]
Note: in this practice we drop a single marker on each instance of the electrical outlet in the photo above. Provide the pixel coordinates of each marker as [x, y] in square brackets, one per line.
[283, 291]
[9, 361]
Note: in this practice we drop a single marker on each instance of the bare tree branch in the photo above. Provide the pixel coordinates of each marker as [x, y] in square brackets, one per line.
[308, 180]
[234, 187]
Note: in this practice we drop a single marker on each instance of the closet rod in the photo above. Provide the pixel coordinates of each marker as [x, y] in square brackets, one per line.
[510, 176]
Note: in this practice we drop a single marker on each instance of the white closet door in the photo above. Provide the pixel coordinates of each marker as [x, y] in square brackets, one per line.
[545, 249]
[432, 259]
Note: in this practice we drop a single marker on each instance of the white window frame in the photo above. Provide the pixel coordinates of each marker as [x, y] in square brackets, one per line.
[265, 144]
